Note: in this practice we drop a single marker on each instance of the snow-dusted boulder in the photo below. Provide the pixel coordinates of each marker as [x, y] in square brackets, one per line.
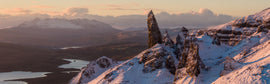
[157, 59]
[229, 65]
[93, 69]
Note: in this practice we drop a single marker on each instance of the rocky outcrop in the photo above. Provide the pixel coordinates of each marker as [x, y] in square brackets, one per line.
[169, 64]
[190, 62]
[230, 37]
[104, 62]
[154, 35]
[229, 65]
[193, 61]
[233, 32]
[262, 28]
[179, 44]
[247, 22]
[167, 39]
[93, 69]
[216, 40]
[155, 58]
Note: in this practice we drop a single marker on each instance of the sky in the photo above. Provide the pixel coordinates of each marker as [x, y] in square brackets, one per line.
[124, 14]
[236, 8]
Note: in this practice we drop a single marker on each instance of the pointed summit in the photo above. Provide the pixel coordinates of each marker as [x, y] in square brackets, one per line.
[166, 33]
[154, 35]
[179, 40]
[150, 13]
[167, 40]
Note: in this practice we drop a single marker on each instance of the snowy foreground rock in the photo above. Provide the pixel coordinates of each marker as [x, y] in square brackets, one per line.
[225, 54]
[93, 69]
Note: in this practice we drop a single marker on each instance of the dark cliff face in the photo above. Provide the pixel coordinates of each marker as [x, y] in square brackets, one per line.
[154, 35]
[216, 40]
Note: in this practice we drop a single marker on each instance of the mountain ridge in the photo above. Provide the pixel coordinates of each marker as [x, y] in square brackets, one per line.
[223, 54]
[42, 33]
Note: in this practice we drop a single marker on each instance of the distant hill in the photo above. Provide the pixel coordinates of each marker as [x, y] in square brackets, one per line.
[55, 33]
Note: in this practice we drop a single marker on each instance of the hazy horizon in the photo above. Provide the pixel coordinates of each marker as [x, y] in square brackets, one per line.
[202, 18]
[129, 14]
[234, 8]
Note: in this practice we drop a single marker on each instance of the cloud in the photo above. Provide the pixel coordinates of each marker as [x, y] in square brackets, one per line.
[118, 8]
[41, 7]
[111, 5]
[202, 18]
[127, 6]
[17, 11]
[51, 13]
[121, 5]
[76, 11]
[205, 11]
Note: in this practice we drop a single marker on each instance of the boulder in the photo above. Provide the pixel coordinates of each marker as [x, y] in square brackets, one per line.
[229, 65]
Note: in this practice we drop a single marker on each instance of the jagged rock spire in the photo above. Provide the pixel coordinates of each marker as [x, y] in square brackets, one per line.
[179, 44]
[193, 61]
[185, 31]
[154, 35]
[179, 40]
[167, 40]
[189, 63]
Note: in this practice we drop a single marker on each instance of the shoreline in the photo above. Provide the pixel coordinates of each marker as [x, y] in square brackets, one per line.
[57, 77]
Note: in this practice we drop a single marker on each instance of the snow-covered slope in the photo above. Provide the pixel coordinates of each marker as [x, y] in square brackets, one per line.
[253, 51]
[134, 71]
[213, 56]
[255, 62]
[255, 20]
[233, 32]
